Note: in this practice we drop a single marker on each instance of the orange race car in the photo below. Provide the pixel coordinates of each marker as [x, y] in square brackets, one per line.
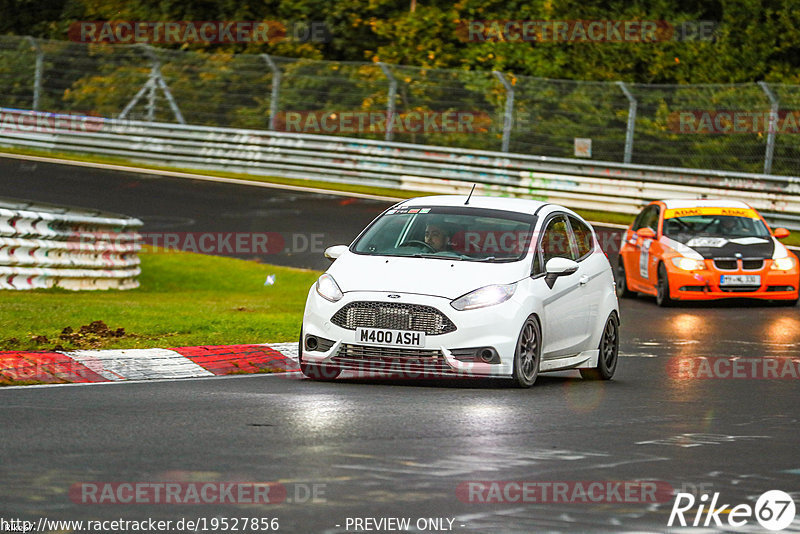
[703, 250]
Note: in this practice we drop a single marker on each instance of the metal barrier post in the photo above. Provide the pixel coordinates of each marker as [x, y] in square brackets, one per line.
[631, 122]
[508, 113]
[390, 105]
[773, 126]
[37, 73]
[276, 90]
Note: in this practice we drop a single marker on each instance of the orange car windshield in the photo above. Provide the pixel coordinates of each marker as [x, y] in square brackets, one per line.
[684, 228]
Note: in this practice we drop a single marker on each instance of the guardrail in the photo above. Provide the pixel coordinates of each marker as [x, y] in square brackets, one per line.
[44, 246]
[586, 184]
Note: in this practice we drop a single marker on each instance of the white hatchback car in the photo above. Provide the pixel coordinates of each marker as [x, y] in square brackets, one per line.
[470, 287]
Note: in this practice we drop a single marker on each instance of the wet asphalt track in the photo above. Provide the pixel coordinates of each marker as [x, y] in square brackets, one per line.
[401, 449]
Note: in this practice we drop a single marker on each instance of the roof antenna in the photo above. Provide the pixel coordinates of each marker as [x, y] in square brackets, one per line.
[470, 194]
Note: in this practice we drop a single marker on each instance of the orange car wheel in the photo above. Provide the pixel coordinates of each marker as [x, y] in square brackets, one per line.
[662, 288]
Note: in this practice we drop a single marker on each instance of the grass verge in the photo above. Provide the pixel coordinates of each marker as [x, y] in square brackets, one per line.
[184, 300]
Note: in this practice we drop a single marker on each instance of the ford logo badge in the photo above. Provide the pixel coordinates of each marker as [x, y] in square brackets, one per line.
[393, 296]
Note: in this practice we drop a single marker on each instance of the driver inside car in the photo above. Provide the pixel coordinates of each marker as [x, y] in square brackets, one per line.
[729, 226]
[437, 237]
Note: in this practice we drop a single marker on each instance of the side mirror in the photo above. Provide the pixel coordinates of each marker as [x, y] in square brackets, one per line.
[556, 267]
[646, 233]
[333, 253]
[780, 233]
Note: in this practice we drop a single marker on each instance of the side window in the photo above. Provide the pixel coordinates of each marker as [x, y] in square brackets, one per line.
[652, 220]
[555, 241]
[647, 219]
[637, 222]
[583, 237]
[537, 264]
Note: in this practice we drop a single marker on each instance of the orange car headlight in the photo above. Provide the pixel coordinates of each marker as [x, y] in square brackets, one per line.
[782, 264]
[688, 264]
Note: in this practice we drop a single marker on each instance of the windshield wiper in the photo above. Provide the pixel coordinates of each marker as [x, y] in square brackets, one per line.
[434, 256]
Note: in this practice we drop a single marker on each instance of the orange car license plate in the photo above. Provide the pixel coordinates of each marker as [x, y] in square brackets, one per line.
[740, 280]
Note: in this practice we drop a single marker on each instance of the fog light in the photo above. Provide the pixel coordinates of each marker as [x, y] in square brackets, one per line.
[311, 343]
[487, 355]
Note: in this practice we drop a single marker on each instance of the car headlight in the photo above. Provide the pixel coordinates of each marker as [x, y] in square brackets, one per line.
[688, 264]
[485, 296]
[328, 288]
[782, 264]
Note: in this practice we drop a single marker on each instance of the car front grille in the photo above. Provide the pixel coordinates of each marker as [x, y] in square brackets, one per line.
[726, 264]
[393, 316]
[390, 360]
[733, 264]
[752, 264]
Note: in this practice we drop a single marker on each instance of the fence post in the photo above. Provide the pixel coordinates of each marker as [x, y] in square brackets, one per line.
[773, 126]
[37, 73]
[151, 94]
[631, 122]
[508, 113]
[390, 105]
[276, 90]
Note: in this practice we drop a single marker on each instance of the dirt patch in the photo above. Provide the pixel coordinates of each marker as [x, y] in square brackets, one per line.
[91, 335]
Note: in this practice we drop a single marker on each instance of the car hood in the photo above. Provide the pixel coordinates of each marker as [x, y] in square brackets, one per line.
[425, 276]
[720, 247]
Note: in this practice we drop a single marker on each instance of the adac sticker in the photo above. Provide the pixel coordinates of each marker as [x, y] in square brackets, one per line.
[688, 212]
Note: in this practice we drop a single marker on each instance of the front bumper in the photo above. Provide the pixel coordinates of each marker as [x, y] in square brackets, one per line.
[705, 284]
[496, 327]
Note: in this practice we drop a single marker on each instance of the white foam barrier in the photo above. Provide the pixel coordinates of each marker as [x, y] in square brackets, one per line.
[44, 246]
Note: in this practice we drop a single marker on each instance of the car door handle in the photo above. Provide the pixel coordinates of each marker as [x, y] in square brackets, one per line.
[583, 280]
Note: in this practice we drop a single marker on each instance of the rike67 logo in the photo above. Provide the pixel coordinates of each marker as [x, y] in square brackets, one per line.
[774, 510]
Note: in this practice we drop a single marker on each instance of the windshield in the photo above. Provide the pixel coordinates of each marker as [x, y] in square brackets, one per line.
[684, 229]
[452, 233]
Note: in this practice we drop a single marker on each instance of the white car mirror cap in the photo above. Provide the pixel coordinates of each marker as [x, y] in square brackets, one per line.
[333, 253]
[560, 266]
[556, 267]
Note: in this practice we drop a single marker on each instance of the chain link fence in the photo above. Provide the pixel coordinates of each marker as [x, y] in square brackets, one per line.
[724, 127]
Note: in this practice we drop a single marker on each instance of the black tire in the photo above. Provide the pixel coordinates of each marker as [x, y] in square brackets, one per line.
[527, 354]
[609, 352]
[621, 278]
[313, 371]
[662, 288]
